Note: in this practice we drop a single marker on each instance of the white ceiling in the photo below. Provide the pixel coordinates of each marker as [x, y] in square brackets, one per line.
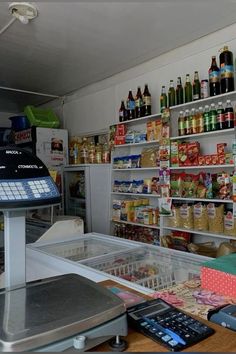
[73, 44]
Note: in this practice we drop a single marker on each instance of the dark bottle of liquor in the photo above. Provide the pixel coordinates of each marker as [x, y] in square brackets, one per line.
[226, 71]
[196, 87]
[130, 106]
[122, 112]
[171, 94]
[214, 78]
[138, 103]
[163, 99]
[229, 115]
[179, 92]
[188, 93]
[220, 124]
[147, 102]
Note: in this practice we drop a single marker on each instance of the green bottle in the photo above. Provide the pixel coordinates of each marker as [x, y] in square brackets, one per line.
[179, 92]
[163, 99]
[196, 87]
[188, 93]
[171, 94]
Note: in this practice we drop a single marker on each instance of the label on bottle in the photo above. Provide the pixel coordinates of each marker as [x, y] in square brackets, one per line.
[130, 104]
[196, 96]
[229, 116]
[220, 117]
[226, 71]
[138, 102]
[214, 76]
[204, 89]
[147, 101]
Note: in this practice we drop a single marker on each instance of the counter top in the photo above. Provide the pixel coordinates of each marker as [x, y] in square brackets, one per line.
[223, 340]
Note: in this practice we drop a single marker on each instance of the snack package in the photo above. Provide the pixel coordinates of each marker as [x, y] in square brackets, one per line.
[229, 224]
[180, 240]
[150, 131]
[174, 220]
[174, 156]
[215, 213]
[200, 217]
[176, 184]
[190, 185]
[149, 157]
[186, 216]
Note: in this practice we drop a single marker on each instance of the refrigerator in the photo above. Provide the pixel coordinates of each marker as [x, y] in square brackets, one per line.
[49, 144]
[87, 195]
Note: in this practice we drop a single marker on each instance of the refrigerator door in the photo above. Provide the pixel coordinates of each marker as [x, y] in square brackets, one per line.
[77, 194]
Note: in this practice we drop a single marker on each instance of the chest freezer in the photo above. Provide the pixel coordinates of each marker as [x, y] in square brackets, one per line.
[85, 247]
[145, 268]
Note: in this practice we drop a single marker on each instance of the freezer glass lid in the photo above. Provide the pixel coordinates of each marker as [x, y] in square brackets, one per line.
[82, 249]
[64, 305]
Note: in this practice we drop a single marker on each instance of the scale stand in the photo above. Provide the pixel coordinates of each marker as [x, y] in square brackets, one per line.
[14, 247]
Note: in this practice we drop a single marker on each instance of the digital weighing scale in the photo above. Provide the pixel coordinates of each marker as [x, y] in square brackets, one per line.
[53, 314]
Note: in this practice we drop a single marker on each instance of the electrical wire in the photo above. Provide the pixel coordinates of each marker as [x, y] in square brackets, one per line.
[7, 25]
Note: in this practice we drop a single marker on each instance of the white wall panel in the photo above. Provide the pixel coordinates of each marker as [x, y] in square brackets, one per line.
[95, 107]
[91, 113]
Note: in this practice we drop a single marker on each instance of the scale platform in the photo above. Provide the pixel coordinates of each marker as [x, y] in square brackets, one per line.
[47, 315]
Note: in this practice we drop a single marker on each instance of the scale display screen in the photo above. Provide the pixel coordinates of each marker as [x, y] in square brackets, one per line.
[25, 180]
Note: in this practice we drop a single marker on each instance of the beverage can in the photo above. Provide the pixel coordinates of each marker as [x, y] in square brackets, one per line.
[204, 89]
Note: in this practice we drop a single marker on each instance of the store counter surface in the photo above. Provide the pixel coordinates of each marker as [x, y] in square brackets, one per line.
[223, 340]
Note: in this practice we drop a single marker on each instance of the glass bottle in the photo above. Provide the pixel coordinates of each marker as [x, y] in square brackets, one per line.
[188, 93]
[196, 87]
[207, 122]
[181, 124]
[194, 114]
[84, 151]
[229, 115]
[220, 124]
[200, 120]
[130, 106]
[171, 94]
[179, 92]
[226, 70]
[105, 153]
[188, 122]
[98, 154]
[122, 112]
[138, 103]
[213, 117]
[147, 101]
[214, 77]
[163, 99]
[91, 152]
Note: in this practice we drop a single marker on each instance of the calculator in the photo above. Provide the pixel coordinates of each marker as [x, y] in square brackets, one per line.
[167, 325]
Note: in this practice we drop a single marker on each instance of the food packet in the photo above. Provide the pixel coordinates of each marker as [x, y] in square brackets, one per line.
[186, 216]
[215, 213]
[200, 217]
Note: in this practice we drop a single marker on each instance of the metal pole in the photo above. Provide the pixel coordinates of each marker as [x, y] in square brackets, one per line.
[30, 92]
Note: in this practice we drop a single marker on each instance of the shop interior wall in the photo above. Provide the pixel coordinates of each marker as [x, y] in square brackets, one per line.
[95, 107]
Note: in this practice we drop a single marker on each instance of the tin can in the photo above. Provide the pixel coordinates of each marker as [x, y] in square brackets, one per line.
[204, 89]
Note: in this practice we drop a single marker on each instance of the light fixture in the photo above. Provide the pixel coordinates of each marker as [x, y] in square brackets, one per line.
[23, 11]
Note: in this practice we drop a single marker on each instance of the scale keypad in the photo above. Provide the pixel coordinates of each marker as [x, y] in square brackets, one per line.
[30, 189]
